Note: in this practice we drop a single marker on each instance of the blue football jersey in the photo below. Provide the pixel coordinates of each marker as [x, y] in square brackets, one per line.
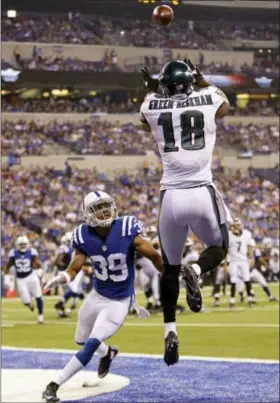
[112, 258]
[23, 261]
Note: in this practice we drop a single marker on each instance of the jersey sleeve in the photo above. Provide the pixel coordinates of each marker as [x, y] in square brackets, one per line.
[11, 254]
[217, 96]
[131, 227]
[34, 252]
[78, 238]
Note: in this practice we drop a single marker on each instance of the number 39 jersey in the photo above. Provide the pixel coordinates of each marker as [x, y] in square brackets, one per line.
[23, 261]
[185, 130]
[238, 246]
[113, 258]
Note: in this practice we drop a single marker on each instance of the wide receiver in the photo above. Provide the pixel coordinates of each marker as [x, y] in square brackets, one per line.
[181, 110]
[111, 243]
[24, 259]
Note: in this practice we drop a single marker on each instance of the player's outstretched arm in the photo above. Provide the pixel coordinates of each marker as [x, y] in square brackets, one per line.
[70, 273]
[146, 249]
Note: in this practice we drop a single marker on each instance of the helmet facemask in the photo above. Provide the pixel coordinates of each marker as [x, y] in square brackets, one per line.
[22, 244]
[100, 213]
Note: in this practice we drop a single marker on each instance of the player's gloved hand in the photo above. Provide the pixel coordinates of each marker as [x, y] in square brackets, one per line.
[151, 84]
[199, 79]
[60, 279]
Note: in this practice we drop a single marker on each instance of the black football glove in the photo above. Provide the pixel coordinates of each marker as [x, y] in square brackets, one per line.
[151, 84]
[198, 77]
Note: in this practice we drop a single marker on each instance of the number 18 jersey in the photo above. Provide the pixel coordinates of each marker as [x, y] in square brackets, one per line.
[185, 130]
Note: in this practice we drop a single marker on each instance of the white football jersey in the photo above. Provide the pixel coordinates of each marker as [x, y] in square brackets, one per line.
[147, 266]
[239, 245]
[190, 257]
[185, 130]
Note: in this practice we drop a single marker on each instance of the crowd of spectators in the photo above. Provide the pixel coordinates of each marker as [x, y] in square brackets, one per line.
[268, 66]
[68, 105]
[24, 139]
[106, 104]
[45, 202]
[101, 137]
[81, 29]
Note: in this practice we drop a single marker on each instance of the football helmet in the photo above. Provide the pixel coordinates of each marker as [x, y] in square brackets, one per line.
[151, 231]
[67, 239]
[175, 78]
[99, 209]
[236, 226]
[22, 243]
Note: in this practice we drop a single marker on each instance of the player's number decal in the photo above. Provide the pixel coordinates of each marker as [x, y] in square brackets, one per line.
[192, 131]
[238, 246]
[113, 268]
[22, 265]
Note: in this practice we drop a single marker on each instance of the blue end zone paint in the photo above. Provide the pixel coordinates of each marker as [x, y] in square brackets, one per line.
[152, 381]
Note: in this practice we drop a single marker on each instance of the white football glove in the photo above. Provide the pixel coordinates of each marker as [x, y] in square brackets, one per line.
[60, 279]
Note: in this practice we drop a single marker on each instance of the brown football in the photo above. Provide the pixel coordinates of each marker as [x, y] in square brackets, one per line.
[163, 15]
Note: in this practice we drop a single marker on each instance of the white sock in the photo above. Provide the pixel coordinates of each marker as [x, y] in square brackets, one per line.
[150, 299]
[196, 268]
[102, 350]
[169, 327]
[41, 318]
[73, 366]
[232, 300]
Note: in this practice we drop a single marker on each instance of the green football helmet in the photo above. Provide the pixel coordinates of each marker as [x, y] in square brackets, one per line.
[176, 77]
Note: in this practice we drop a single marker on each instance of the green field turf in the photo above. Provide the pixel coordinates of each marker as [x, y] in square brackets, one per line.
[218, 332]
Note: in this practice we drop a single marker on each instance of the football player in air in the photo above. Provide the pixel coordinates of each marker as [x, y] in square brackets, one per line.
[240, 255]
[24, 259]
[180, 110]
[111, 243]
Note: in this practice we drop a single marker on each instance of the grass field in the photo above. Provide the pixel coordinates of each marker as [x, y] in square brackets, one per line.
[218, 332]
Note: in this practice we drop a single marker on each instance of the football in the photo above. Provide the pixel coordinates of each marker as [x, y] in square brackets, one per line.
[163, 15]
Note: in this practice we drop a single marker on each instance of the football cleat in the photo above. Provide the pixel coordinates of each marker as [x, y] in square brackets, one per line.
[232, 305]
[194, 297]
[50, 393]
[171, 355]
[105, 362]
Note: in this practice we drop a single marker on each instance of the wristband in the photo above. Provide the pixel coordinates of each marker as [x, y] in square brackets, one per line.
[66, 276]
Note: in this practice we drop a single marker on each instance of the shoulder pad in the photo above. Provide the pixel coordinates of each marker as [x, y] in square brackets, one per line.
[78, 238]
[130, 226]
[11, 253]
[34, 252]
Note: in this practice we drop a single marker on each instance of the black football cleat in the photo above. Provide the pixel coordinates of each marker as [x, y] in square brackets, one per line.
[194, 297]
[105, 362]
[50, 393]
[171, 355]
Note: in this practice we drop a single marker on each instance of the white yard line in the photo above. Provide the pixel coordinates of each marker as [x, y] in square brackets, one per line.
[151, 324]
[182, 357]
